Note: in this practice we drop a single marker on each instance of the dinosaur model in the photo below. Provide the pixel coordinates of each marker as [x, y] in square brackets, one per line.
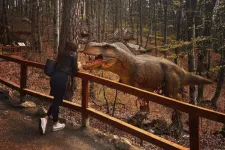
[142, 71]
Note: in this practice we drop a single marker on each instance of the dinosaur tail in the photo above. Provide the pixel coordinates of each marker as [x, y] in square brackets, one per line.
[192, 79]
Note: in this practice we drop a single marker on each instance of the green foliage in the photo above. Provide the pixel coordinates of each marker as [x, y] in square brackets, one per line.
[170, 26]
[145, 30]
[171, 38]
[176, 44]
[177, 3]
[84, 17]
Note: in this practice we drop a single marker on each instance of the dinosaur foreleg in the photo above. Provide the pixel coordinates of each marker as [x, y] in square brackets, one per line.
[144, 106]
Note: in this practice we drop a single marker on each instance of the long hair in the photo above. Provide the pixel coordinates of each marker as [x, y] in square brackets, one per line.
[69, 48]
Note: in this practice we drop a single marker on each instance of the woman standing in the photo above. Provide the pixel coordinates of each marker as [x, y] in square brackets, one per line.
[66, 65]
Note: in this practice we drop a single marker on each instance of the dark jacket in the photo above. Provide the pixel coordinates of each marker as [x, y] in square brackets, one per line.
[68, 64]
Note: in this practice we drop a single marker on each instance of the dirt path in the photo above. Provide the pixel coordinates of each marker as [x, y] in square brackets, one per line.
[19, 130]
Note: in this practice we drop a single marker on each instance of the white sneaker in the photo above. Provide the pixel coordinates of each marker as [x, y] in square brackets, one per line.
[58, 126]
[42, 125]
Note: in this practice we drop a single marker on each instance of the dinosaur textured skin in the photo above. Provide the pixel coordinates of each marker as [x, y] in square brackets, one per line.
[143, 71]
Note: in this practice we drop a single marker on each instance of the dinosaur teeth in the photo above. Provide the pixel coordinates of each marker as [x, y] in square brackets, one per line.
[92, 57]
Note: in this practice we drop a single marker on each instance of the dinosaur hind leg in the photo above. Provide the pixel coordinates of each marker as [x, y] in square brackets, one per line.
[172, 88]
[176, 126]
[141, 115]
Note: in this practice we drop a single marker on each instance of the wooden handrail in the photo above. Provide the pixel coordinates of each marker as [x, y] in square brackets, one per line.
[194, 111]
[21, 61]
[149, 96]
[10, 84]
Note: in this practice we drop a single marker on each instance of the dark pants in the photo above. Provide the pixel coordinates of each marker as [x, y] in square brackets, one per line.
[58, 87]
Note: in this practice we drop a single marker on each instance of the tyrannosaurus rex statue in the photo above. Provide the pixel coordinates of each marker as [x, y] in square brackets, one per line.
[143, 71]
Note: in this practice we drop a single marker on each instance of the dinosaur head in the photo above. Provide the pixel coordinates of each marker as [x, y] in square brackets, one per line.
[105, 56]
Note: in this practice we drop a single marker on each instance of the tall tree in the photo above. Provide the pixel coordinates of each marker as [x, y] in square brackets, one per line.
[66, 27]
[178, 26]
[219, 46]
[141, 21]
[89, 19]
[165, 20]
[155, 26]
[208, 5]
[56, 26]
[191, 10]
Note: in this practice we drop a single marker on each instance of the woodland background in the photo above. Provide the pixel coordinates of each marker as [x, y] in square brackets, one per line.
[191, 33]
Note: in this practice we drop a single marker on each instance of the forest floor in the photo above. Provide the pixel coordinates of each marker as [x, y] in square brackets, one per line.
[126, 107]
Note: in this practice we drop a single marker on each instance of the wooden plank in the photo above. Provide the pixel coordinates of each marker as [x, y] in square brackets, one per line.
[49, 98]
[23, 81]
[147, 136]
[12, 47]
[149, 96]
[194, 131]
[10, 84]
[15, 53]
[21, 61]
[85, 120]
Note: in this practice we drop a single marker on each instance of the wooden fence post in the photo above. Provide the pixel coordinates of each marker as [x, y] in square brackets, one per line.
[23, 81]
[194, 131]
[85, 118]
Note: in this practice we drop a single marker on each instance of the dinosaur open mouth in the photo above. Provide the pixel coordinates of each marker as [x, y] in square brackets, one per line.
[94, 60]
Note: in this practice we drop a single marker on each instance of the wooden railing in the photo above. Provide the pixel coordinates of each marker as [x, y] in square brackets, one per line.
[194, 112]
[14, 50]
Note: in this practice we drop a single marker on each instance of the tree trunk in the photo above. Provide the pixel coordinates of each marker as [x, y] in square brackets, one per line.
[99, 20]
[56, 26]
[191, 6]
[207, 32]
[149, 23]
[220, 82]
[131, 16]
[141, 25]
[66, 27]
[90, 38]
[155, 20]
[104, 34]
[218, 87]
[38, 27]
[5, 37]
[178, 34]
[165, 5]
[165, 21]
[121, 20]
[33, 24]
[89, 19]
